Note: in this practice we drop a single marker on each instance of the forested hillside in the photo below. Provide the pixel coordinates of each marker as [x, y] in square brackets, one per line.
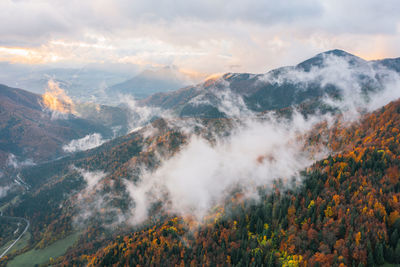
[346, 212]
[193, 133]
[309, 183]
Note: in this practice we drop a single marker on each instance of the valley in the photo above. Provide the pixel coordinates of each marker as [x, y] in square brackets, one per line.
[10, 246]
[298, 166]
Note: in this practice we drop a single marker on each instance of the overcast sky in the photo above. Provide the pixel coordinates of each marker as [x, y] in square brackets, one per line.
[204, 36]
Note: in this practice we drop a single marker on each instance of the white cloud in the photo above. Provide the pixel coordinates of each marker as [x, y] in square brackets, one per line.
[88, 142]
[256, 152]
[15, 163]
[91, 178]
[139, 115]
[202, 174]
[232, 35]
[3, 191]
[350, 79]
[93, 203]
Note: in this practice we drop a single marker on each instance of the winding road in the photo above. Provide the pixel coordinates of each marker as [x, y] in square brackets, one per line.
[16, 240]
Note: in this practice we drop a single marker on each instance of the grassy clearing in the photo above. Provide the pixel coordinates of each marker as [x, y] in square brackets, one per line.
[23, 242]
[32, 257]
[5, 246]
[12, 202]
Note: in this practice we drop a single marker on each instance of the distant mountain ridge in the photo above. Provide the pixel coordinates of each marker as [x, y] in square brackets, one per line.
[79, 83]
[150, 81]
[28, 131]
[272, 90]
[333, 185]
[23, 118]
[344, 210]
[97, 83]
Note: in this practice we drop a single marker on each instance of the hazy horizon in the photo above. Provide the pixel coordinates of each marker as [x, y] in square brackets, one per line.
[199, 37]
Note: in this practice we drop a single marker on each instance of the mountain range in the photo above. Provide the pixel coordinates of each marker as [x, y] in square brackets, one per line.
[149, 82]
[97, 83]
[298, 166]
[278, 88]
[29, 132]
[79, 83]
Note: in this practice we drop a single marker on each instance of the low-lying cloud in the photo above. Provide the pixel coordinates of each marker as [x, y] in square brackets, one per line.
[88, 142]
[93, 203]
[202, 174]
[57, 101]
[3, 191]
[140, 115]
[14, 162]
[258, 151]
[364, 86]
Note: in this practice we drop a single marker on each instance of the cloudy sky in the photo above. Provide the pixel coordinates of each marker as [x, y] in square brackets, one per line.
[204, 36]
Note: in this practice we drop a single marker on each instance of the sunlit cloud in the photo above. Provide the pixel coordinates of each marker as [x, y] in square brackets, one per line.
[26, 55]
[81, 44]
[57, 101]
[203, 36]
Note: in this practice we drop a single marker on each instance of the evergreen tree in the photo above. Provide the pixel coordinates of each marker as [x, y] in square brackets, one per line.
[394, 238]
[397, 253]
[379, 254]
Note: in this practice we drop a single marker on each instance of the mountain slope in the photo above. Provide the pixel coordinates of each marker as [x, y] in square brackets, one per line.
[80, 83]
[308, 81]
[58, 186]
[28, 131]
[390, 63]
[349, 198]
[346, 212]
[149, 82]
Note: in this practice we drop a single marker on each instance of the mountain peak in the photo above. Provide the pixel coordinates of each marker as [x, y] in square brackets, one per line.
[318, 59]
[336, 52]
